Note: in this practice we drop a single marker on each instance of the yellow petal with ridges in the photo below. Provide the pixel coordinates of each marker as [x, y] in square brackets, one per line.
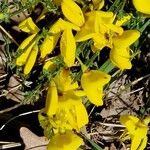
[21, 60]
[68, 47]
[28, 26]
[51, 100]
[31, 60]
[92, 83]
[72, 12]
[142, 6]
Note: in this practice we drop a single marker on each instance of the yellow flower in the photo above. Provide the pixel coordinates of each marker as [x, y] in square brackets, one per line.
[28, 26]
[67, 42]
[97, 22]
[92, 83]
[51, 100]
[120, 53]
[29, 46]
[31, 59]
[64, 105]
[66, 141]
[29, 55]
[142, 5]
[99, 27]
[72, 12]
[68, 47]
[137, 130]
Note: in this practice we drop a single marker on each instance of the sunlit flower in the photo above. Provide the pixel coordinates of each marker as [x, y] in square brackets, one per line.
[137, 130]
[92, 83]
[28, 46]
[67, 41]
[30, 51]
[120, 53]
[66, 141]
[142, 6]
[71, 11]
[99, 27]
[28, 26]
[64, 104]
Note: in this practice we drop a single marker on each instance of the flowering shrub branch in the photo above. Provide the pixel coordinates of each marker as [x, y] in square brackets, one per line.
[80, 31]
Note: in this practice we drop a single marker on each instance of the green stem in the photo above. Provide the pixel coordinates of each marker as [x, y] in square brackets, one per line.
[88, 64]
[145, 26]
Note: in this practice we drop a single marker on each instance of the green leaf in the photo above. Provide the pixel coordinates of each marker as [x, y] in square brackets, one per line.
[95, 146]
[107, 66]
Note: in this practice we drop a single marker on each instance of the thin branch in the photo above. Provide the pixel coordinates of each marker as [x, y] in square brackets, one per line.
[1, 28]
[10, 108]
[23, 114]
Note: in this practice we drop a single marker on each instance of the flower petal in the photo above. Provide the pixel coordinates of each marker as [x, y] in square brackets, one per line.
[28, 26]
[81, 114]
[92, 83]
[51, 100]
[72, 12]
[27, 46]
[142, 6]
[135, 142]
[120, 57]
[126, 39]
[68, 47]
[129, 122]
[64, 82]
[67, 141]
[143, 143]
[90, 27]
[49, 44]
[100, 42]
[49, 65]
[31, 60]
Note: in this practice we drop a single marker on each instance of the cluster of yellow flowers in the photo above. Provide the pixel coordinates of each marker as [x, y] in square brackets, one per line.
[64, 108]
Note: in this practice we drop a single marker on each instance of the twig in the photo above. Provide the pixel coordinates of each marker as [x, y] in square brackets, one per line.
[132, 92]
[111, 125]
[23, 114]
[10, 145]
[1, 28]
[12, 89]
[10, 108]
